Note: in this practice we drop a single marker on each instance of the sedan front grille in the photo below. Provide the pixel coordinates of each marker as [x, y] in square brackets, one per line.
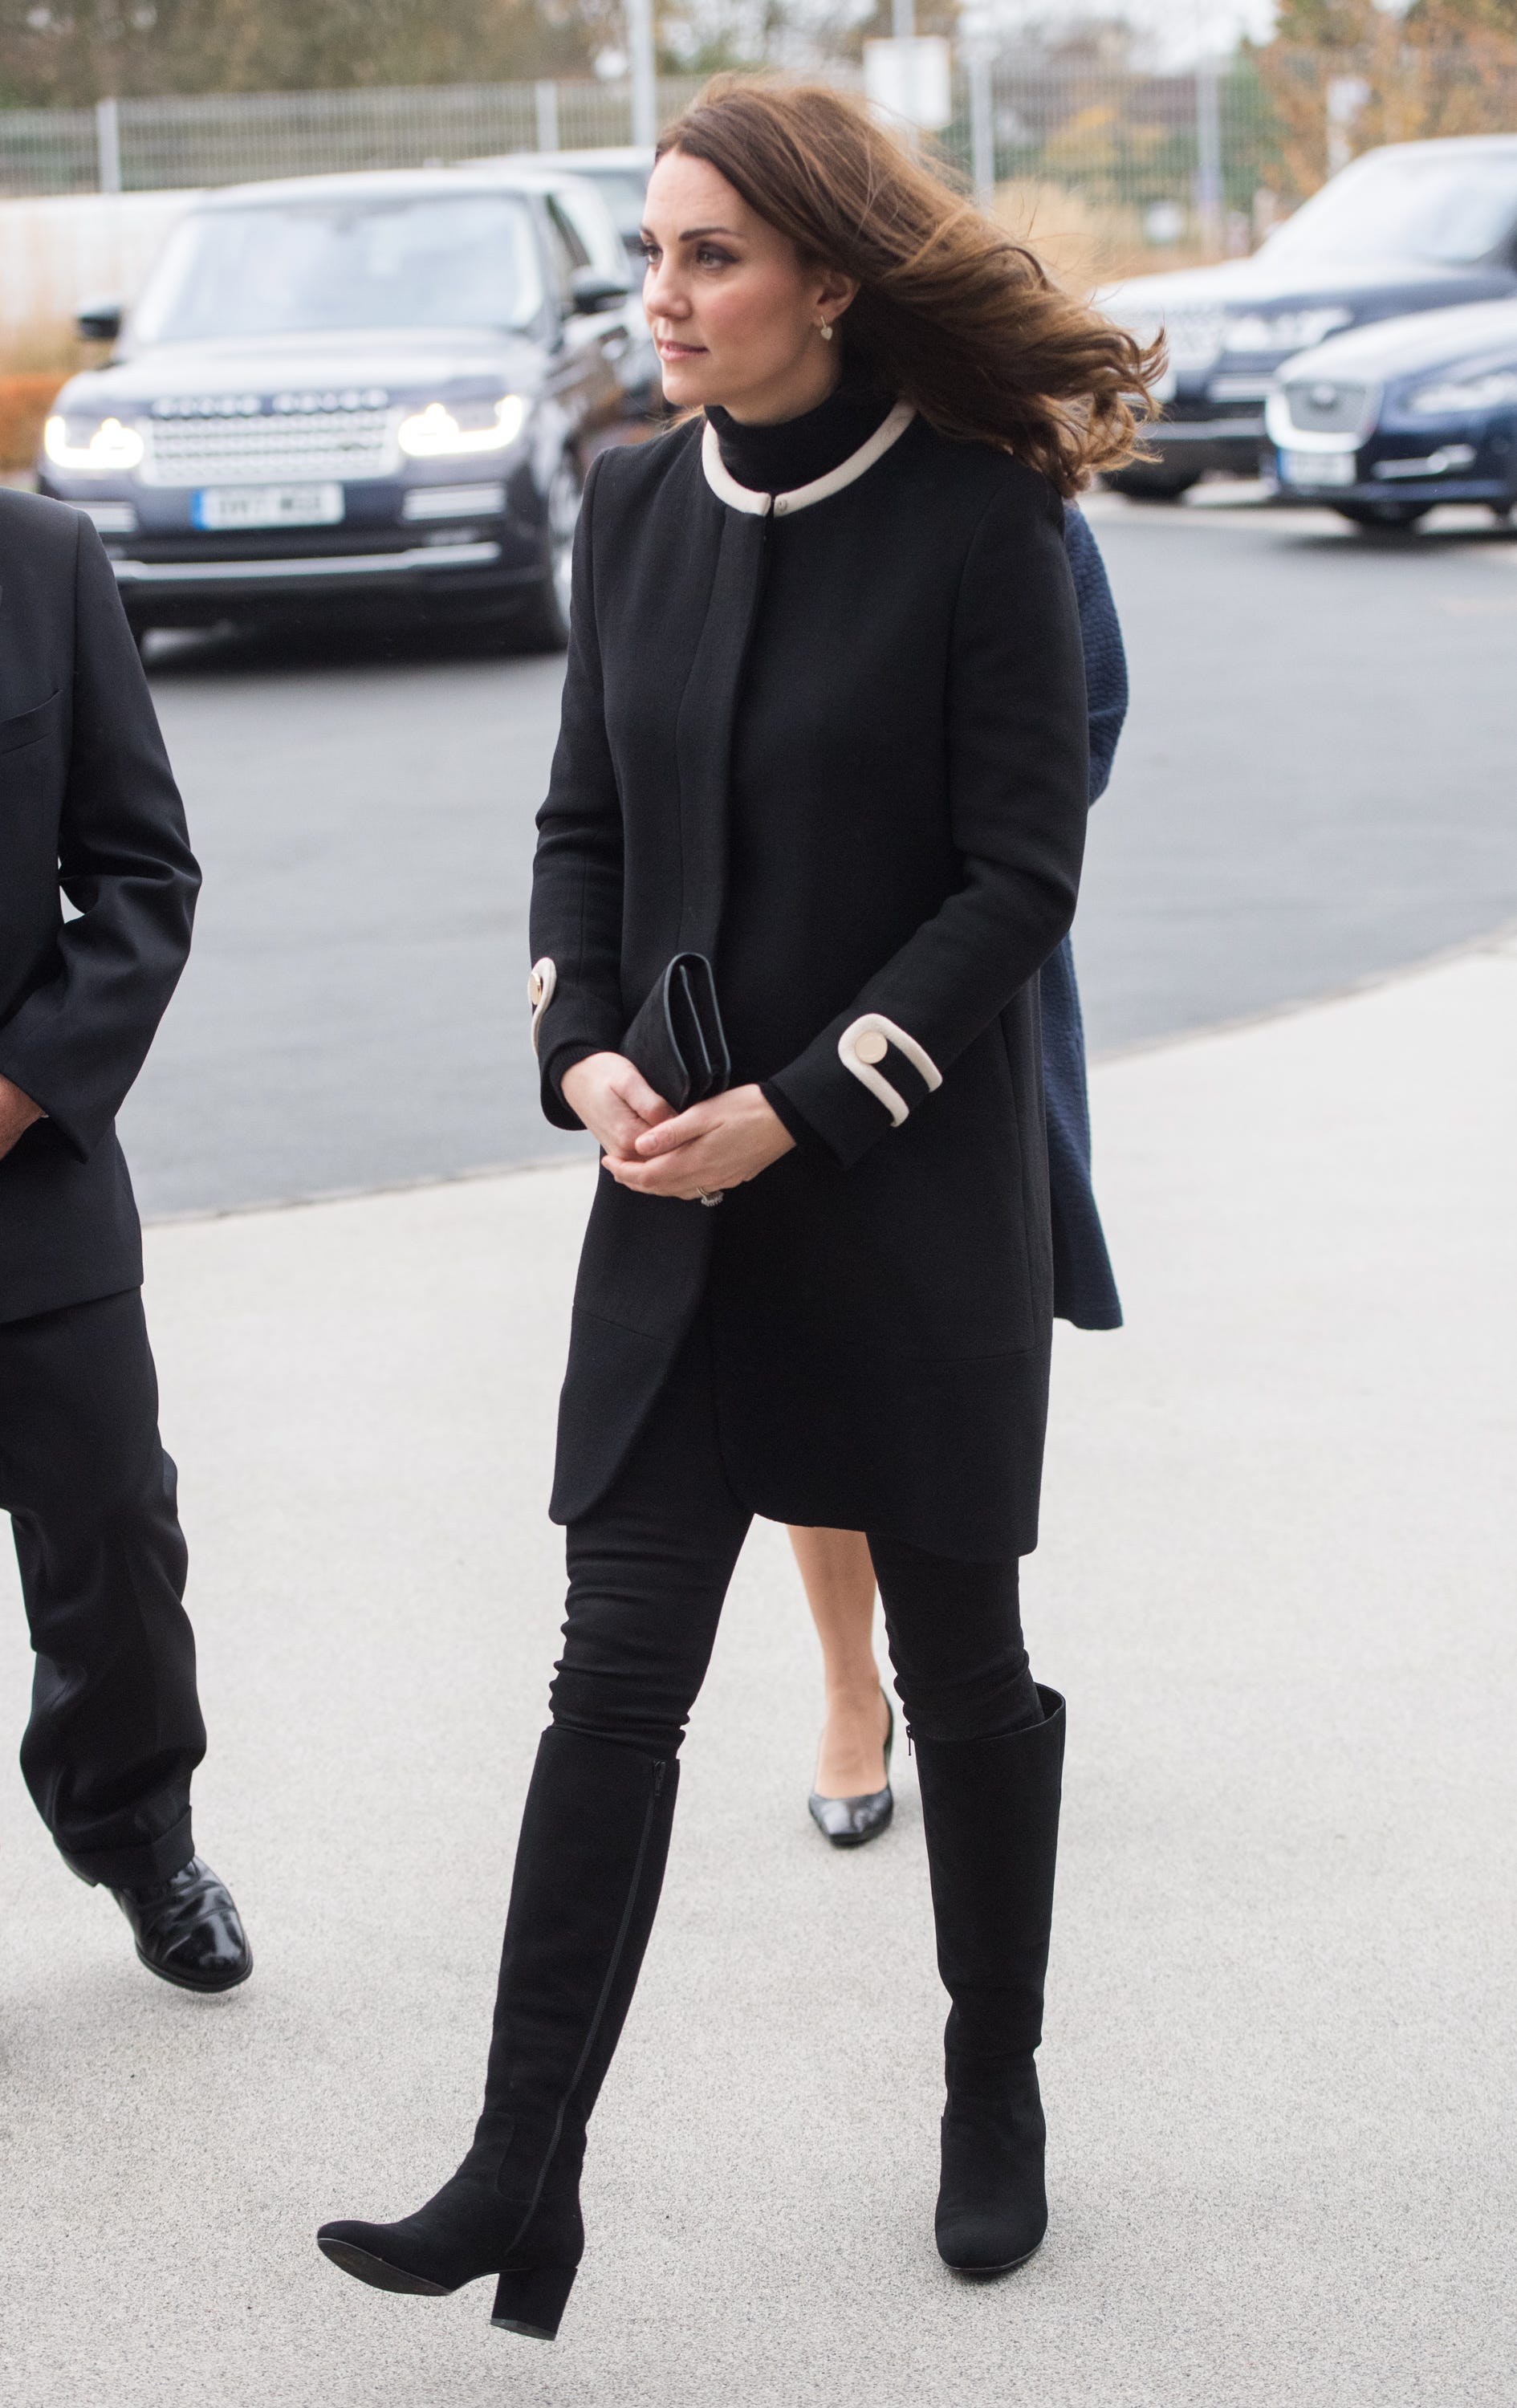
[1321, 406]
[329, 443]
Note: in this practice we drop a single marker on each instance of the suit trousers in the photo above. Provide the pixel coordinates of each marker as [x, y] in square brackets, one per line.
[115, 1731]
[649, 1569]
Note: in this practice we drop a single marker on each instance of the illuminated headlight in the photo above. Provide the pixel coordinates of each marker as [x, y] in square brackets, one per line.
[1287, 330]
[445, 430]
[1466, 397]
[107, 447]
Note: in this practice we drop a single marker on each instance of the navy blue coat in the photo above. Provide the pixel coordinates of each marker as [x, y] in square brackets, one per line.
[1084, 1289]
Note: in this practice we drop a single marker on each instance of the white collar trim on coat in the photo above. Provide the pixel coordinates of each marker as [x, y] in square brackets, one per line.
[822, 489]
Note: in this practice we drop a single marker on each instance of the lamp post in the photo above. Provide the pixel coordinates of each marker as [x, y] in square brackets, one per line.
[644, 66]
[977, 58]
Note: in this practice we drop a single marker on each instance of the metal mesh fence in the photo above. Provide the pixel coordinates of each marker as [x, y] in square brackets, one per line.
[1176, 165]
[48, 150]
[244, 138]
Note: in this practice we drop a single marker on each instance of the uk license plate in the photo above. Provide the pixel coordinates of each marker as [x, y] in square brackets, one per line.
[221, 510]
[1319, 467]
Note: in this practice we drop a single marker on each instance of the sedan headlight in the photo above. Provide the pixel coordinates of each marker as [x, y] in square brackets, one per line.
[446, 430]
[1457, 396]
[104, 446]
[1286, 330]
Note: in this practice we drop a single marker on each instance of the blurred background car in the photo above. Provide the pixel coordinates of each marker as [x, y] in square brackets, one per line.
[619, 177]
[1383, 424]
[1415, 226]
[379, 389]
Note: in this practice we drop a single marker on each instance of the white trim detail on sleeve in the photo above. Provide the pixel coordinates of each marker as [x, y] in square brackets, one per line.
[542, 980]
[863, 1044]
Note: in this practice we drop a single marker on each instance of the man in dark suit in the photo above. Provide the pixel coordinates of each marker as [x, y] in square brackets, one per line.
[89, 809]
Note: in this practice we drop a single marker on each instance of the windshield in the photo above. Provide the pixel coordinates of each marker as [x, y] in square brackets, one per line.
[318, 267]
[623, 190]
[1444, 209]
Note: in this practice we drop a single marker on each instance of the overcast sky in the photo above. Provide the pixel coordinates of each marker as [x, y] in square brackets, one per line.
[1179, 30]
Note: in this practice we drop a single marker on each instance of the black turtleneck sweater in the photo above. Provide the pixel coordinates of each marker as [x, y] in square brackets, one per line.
[795, 451]
[776, 461]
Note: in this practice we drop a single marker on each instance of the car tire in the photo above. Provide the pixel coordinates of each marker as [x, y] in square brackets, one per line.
[1151, 484]
[543, 623]
[1381, 518]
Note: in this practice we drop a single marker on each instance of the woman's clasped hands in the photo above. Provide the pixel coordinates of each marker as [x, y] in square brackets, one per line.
[657, 1152]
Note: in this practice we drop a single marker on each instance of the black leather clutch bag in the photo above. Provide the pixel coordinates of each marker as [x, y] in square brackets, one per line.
[676, 1039]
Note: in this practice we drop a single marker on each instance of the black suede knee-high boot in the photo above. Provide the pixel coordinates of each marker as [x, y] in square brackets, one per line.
[990, 1811]
[589, 1868]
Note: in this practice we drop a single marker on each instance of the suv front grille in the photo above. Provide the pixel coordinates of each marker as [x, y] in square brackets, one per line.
[1321, 406]
[329, 443]
[1195, 336]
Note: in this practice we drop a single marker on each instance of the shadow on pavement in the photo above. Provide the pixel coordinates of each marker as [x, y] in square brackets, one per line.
[317, 646]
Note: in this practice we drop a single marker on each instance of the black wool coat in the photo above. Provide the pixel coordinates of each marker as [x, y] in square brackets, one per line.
[88, 810]
[838, 743]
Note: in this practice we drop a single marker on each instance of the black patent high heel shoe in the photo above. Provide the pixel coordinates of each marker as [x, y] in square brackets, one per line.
[850, 1821]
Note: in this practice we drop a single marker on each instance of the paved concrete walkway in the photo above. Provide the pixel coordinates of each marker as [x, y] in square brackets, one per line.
[1277, 1585]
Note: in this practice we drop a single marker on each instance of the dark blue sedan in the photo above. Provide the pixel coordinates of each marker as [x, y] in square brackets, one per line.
[1384, 423]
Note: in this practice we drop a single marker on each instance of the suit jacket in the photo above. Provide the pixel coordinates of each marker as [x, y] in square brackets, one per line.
[88, 810]
[839, 744]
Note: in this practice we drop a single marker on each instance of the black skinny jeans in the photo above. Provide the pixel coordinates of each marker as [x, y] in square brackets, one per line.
[649, 1569]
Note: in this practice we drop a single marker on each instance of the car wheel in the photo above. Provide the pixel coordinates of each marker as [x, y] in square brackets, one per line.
[1382, 518]
[544, 624]
[1151, 484]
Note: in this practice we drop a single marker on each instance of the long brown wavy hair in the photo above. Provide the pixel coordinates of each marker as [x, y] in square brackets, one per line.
[951, 314]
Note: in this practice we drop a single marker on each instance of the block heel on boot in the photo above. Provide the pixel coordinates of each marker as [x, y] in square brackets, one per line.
[532, 2300]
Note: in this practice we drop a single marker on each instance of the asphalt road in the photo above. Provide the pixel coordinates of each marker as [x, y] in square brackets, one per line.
[1315, 786]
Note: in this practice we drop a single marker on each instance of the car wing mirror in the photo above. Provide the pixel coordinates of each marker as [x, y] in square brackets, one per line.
[98, 322]
[591, 289]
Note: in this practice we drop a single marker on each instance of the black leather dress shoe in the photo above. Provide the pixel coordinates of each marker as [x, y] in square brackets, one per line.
[850, 1821]
[188, 1930]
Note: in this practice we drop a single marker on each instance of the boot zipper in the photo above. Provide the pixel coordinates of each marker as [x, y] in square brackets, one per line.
[634, 1885]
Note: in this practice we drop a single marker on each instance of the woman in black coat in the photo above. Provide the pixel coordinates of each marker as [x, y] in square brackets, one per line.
[831, 738]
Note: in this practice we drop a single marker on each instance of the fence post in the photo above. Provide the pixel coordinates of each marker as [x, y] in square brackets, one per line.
[1209, 157]
[981, 124]
[107, 145]
[545, 96]
[644, 73]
